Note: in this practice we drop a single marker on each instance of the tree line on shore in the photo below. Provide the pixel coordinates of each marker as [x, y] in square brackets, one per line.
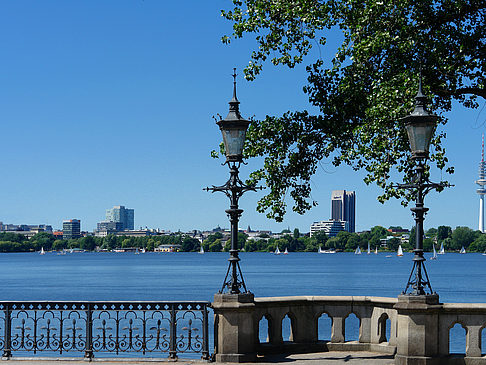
[453, 240]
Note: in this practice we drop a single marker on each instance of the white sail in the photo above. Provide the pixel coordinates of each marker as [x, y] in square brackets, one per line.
[463, 250]
[434, 256]
[42, 252]
[320, 250]
[400, 251]
[286, 252]
[441, 250]
[277, 251]
[201, 250]
[358, 251]
[368, 252]
[376, 250]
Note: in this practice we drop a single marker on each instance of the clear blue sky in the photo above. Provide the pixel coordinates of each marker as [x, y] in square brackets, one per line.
[108, 103]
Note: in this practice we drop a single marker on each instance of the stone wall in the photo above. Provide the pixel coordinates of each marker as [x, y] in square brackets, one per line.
[419, 327]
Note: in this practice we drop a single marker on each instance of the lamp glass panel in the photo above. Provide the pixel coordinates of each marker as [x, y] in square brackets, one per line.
[234, 140]
[420, 135]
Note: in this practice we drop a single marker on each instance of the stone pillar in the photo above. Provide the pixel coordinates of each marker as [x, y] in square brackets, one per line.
[418, 330]
[304, 328]
[234, 327]
[337, 331]
[473, 340]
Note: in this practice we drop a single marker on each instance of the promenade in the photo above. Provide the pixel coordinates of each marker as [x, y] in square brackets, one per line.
[321, 358]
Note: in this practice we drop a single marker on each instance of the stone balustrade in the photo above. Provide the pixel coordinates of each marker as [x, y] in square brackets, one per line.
[304, 313]
[418, 327]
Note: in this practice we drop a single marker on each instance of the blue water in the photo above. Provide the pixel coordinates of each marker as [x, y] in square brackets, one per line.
[191, 276]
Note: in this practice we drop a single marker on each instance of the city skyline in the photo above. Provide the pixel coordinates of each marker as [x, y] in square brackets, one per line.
[113, 104]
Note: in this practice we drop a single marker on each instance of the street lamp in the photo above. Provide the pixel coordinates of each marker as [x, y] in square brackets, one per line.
[420, 126]
[233, 128]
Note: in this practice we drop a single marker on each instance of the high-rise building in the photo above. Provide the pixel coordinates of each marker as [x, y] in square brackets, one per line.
[121, 215]
[481, 191]
[71, 229]
[343, 207]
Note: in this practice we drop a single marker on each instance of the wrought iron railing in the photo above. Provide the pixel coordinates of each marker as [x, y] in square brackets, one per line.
[104, 327]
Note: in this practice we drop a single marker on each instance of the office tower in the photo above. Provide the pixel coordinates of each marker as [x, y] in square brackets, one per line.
[481, 191]
[122, 215]
[71, 229]
[343, 207]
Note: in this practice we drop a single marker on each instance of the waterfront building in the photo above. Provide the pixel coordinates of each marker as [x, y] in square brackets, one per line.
[109, 226]
[343, 207]
[481, 190]
[57, 235]
[168, 248]
[331, 227]
[121, 215]
[25, 227]
[71, 229]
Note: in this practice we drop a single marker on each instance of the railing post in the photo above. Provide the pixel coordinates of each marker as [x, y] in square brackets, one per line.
[173, 333]
[205, 349]
[418, 329]
[236, 332]
[7, 352]
[89, 333]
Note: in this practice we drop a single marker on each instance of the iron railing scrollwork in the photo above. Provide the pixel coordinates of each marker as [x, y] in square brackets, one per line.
[104, 327]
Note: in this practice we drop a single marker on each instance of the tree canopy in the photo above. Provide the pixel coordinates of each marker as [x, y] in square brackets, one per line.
[363, 90]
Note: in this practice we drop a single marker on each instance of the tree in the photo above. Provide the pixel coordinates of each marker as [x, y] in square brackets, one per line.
[431, 232]
[363, 90]
[88, 243]
[463, 237]
[393, 244]
[353, 242]
[479, 244]
[444, 232]
[190, 244]
[321, 238]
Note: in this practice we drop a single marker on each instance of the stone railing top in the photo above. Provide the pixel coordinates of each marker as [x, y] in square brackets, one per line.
[329, 299]
[464, 307]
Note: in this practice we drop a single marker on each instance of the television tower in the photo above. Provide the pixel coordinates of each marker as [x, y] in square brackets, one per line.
[481, 191]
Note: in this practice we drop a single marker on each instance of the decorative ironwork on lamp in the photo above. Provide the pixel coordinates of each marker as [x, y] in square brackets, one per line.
[233, 128]
[420, 126]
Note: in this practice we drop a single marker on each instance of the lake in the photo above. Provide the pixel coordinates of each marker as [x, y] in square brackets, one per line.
[192, 276]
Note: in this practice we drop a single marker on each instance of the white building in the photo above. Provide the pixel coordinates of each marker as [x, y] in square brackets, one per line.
[331, 227]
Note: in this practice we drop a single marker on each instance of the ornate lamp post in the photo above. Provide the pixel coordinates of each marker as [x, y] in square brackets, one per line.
[420, 126]
[233, 129]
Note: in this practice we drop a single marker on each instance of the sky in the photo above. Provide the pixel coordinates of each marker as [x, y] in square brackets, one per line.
[110, 102]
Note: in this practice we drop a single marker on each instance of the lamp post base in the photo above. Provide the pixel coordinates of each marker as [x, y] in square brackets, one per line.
[418, 325]
[234, 327]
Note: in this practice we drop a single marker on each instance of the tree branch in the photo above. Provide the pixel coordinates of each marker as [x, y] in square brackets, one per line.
[462, 91]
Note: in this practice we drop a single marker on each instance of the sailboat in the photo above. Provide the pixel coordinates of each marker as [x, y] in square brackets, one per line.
[137, 252]
[434, 256]
[368, 252]
[143, 250]
[286, 252]
[42, 252]
[463, 250]
[376, 250]
[277, 251]
[201, 251]
[441, 250]
[358, 251]
[399, 251]
[326, 251]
